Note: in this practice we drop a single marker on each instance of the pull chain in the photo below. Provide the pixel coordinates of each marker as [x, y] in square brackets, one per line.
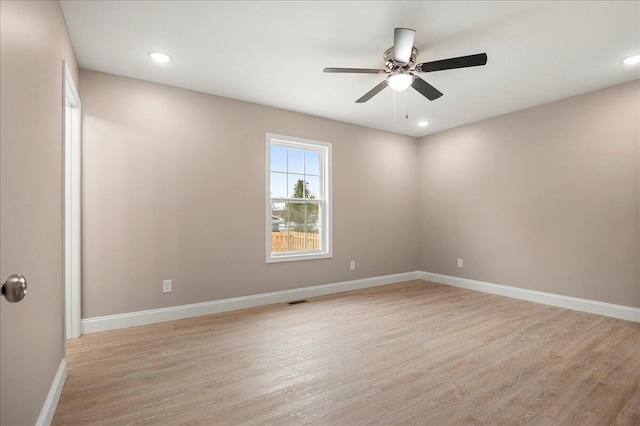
[406, 103]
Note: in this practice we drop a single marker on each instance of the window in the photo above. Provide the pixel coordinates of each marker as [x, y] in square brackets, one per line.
[298, 199]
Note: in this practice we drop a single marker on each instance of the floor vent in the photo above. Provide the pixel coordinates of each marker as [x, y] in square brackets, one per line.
[296, 302]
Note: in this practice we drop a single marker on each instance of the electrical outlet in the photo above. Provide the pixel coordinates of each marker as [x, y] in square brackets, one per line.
[460, 263]
[167, 286]
[352, 265]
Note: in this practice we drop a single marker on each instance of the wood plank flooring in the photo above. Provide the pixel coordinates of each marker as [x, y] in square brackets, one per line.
[413, 353]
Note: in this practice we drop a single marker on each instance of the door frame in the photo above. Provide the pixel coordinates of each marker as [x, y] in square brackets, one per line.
[72, 206]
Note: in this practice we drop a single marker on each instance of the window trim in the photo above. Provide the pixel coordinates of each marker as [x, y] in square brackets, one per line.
[325, 177]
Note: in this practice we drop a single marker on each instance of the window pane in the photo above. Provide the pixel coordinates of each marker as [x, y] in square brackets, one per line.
[296, 234]
[312, 217]
[313, 238]
[278, 216]
[297, 216]
[279, 233]
[278, 185]
[296, 161]
[297, 241]
[296, 186]
[312, 162]
[278, 159]
[279, 242]
[313, 187]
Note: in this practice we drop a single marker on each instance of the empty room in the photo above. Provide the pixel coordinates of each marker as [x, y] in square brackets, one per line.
[319, 213]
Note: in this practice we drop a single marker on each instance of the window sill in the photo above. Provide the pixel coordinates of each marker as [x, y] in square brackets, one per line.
[296, 257]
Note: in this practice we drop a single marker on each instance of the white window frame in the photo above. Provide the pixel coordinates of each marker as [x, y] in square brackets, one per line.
[324, 148]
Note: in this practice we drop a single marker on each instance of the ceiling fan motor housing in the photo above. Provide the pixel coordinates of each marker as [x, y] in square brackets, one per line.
[392, 65]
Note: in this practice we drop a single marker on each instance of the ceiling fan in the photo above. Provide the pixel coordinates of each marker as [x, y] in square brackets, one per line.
[400, 67]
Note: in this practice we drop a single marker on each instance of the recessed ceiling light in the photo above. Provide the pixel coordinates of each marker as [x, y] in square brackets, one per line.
[423, 123]
[631, 60]
[161, 58]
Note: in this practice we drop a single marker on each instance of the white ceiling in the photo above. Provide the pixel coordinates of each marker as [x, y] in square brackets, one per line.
[273, 53]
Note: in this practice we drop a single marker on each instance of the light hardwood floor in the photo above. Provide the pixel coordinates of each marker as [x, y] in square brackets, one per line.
[408, 353]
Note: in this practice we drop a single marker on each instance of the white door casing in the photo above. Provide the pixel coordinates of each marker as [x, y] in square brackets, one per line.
[72, 206]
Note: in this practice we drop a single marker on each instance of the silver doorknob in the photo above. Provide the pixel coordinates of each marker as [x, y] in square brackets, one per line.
[15, 288]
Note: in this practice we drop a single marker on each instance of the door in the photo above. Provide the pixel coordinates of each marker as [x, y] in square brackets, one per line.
[33, 43]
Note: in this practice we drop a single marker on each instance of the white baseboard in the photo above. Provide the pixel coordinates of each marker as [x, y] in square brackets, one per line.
[114, 322]
[51, 403]
[585, 305]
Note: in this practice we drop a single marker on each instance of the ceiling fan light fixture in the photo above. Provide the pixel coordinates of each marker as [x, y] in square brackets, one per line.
[400, 82]
[632, 60]
[159, 57]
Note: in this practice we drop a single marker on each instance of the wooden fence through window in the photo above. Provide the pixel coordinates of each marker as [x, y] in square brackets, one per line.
[294, 241]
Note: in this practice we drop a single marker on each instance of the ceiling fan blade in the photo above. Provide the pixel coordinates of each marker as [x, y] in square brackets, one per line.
[371, 93]
[451, 63]
[354, 70]
[403, 44]
[427, 90]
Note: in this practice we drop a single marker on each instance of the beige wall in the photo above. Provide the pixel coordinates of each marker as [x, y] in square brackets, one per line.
[544, 199]
[174, 188]
[33, 43]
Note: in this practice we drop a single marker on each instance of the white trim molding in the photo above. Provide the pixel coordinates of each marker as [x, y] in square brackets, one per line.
[72, 205]
[51, 403]
[322, 199]
[585, 305]
[133, 319]
[114, 322]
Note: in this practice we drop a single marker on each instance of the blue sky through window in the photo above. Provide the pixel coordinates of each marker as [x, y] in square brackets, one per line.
[288, 165]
